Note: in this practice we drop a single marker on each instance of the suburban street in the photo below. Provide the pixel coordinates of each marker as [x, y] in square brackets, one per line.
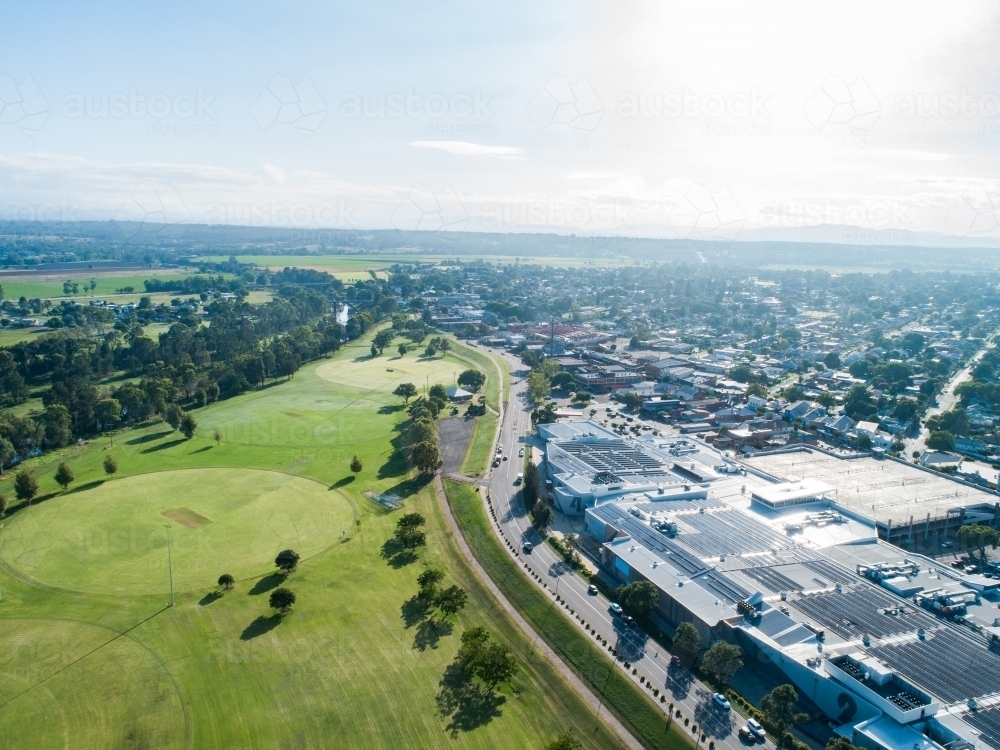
[690, 695]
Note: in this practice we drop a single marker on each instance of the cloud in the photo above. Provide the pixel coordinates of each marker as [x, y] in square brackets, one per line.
[464, 148]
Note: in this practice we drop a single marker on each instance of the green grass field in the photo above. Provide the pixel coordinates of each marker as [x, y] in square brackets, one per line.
[91, 656]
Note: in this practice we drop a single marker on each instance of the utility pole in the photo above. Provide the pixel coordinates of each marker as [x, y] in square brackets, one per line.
[170, 566]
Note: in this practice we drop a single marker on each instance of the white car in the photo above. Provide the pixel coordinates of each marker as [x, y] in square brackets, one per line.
[520, 453]
[756, 729]
[616, 608]
[720, 700]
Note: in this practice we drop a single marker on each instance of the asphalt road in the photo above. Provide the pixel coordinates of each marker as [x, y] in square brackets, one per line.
[691, 696]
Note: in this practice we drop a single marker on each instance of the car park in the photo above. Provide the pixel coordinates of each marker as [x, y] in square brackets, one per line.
[720, 700]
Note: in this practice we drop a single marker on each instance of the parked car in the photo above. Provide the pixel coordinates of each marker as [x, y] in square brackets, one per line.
[720, 700]
[520, 453]
[756, 729]
[505, 458]
[496, 464]
[592, 590]
[616, 608]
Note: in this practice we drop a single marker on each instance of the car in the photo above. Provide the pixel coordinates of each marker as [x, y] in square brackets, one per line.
[496, 464]
[616, 608]
[747, 736]
[756, 729]
[519, 478]
[520, 453]
[720, 700]
[592, 590]
[499, 449]
[947, 545]
[528, 546]
[629, 620]
[505, 458]
[675, 661]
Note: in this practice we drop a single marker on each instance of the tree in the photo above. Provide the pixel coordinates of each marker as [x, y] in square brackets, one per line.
[832, 360]
[437, 391]
[282, 599]
[286, 560]
[538, 387]
[217, 434]
[402, 350]
[639, 598]
[410, 538]
[64, 476]
[25, 485]
[451, 601]
[173, 415]
[6, 453]
[473, 641]
[495, 664]
[471, 380]
[941, 440]
[543, 516]
[905, 409]
[57, 426]
[687, 642]
[827, 399]
[410, 521]
[3, 506]
[108, 412]
[188, 425]
[632, 400]
[428, 582]
[426, 457]
[110, 465]
[356, 465]
[565, 741]
[863, 443]
[722, 660]
[913, 342]
[226, 581]
[978, 536]
[405, 391]
[374, 351]
[840, 743]
[382, 339]
[545, 414]
[779, 708]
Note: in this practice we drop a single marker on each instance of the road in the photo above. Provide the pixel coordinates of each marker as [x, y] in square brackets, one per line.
[688, 694]
[947, 398]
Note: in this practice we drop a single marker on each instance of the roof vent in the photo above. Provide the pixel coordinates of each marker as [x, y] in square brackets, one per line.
[867, 641]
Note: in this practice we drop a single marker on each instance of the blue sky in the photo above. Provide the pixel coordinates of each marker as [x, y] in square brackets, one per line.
[827, 121]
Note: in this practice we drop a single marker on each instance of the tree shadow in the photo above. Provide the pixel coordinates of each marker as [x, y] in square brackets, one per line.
[714, 720]
[394, 553]
[413, 610]
[410, 486]
[396, 466]
[429, 632]
[148, 438]
[260, 626]
[342, 482]
[202, 450]
[162, 446]
[390, 408]
[679, 681]
[87, 486]
[211, 596]
[465, 703]
[265, 584]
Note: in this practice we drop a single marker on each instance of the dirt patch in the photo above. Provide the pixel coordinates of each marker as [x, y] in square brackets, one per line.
[454, 435]
[186, 517]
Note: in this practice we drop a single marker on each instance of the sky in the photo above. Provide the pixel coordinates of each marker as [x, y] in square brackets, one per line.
[841, 122]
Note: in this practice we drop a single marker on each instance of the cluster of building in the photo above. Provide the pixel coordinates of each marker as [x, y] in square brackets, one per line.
[811, 563]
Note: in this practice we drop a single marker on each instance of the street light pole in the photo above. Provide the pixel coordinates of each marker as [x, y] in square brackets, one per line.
[170, 566]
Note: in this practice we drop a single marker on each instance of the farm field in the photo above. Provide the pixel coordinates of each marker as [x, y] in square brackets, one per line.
[94, 657]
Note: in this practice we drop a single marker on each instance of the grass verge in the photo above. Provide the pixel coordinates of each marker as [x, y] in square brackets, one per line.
[622, 696]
